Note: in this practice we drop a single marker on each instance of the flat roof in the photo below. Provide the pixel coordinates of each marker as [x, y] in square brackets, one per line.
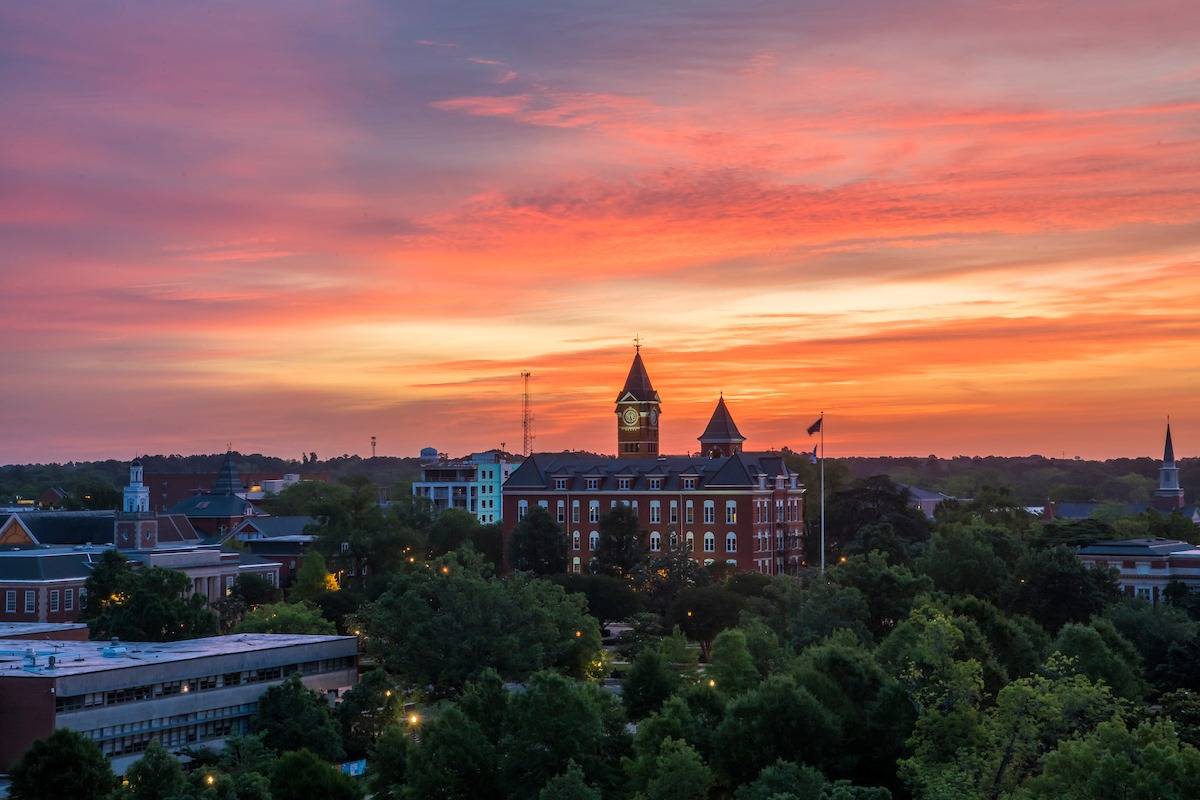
[15, 630]
[77, 658]
[1146, 547]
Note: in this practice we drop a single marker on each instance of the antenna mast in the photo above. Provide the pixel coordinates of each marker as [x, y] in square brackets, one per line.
[526, 416]
[372, 447]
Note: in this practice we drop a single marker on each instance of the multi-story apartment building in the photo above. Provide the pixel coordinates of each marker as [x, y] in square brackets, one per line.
[724, 505]
[473, 484]
[184, 694]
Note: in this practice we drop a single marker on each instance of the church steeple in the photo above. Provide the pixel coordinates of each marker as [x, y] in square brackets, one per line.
[135, 526]
[1169, 494]
[721, 437]
[228, 479]
[638, 407]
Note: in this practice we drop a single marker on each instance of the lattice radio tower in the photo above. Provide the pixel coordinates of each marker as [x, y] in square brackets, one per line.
[526, 417]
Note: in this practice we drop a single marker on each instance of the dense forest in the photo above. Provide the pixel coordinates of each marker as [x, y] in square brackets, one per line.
[1032, 480]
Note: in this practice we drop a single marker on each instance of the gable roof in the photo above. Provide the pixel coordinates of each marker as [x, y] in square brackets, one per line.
[637, 383]
[721, 427]
[271, 527]
[69, 527]
[212, 506]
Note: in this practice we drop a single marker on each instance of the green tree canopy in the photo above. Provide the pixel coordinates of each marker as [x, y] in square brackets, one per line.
[651, 679]
[609, 599]
[157, 775]
[292, 717]
[147, 604]
[702, 612]
[538, 544]
[570, 785]
[1103, 655]
[621, 550]
[303, 775]
[731, 665]
[301, 617]
[64, 764]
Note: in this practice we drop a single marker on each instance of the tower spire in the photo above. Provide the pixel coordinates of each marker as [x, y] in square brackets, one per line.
[1169, 495]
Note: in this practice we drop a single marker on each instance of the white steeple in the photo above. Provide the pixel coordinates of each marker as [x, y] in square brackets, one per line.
[136, 494]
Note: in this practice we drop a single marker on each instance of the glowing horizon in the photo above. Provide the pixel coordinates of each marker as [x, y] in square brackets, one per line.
[955, 229]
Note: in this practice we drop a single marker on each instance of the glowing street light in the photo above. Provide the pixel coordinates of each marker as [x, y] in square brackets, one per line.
[414, 719]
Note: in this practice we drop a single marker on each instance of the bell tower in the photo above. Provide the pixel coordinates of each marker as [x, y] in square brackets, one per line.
[1169, 495]
[638, 407]
[136, 526]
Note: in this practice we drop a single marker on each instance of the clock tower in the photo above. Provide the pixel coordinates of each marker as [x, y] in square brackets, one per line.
[638, 407]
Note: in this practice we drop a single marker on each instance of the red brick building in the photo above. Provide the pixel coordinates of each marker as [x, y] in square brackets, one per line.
[744, 509]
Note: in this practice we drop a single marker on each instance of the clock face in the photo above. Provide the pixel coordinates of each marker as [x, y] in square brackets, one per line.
[630, 417]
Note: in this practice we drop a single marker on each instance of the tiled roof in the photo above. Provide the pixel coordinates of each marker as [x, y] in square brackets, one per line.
[739, 470]
[47, 563]
[721, 428]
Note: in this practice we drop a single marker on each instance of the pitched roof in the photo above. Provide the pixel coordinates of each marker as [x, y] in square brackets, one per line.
[228, 480]
[637, 384]
[271, 527]
[1137, 547]
[176, 528]
[212, 505]
[46, 564]
[70, 527]
[740, 470]
[721, 428]
[1169, 448]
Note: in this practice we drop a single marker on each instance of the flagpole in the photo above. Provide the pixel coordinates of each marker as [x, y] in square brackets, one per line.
[822, 492]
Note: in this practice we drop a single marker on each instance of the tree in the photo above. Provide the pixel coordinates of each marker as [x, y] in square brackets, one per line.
[538, 544]
[454, 760]
[889, 591]
[366, 711]
[1102, 654]
[731, 664]
[776, 720]
[304, 498]
[301, 617]
[441, 626]
[968, 558]
[679, 774]
[1151, 629]
[872, 501]
[1182, 707]
[64, 764]
[157, 775]
[929, 654]
[387, 763]
[303, 775]
[649, 682]
[312, 578]
[1113, 761]
[254, 590]
[148, 604]
[353, 525]
[784, 779]
[620, 551]
[609, 599]
[556, 721]
[808, 613]
[702, 612]
[1055, 588]
[292, 717]
[450, 530]
[570, 785]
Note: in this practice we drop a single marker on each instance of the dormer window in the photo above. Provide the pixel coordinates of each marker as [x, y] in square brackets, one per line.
[656, 483]
[623, 483]
[593, 483]
[689, 483]
[560, 483]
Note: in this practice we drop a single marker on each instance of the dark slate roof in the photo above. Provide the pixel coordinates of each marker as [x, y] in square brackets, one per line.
[248, 560]
[638, 383]
[721, 428]
[70, 527]
[277, 547]
[270, 527]
[228, 479]
[47, 564]
[176, 528]
[1169, 448]
[1136, 547]
[739, 470]
[211, 505]
[917, 493]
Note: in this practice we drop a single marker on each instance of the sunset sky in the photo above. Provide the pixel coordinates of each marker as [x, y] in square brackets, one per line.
[957, 227]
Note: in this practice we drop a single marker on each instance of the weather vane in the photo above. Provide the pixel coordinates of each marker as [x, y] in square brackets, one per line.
[637, 342]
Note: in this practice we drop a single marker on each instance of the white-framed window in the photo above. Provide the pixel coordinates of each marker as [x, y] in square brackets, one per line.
[708, 562]
[710, 512]
[731, 542]
[656, 483]
[544, 504]
[689, 542]
[576, 565]
[10, 602]
[561, 514]
[575, 511]
[623, 483]
[674, 512]
[69, 599]
[689, 513]
[710, 543]
[593, 511]
[731, 512]
[655, 542]
[731, 562]
[54, 600]
[655, 511]
[593, 484]
[30, 601]
[522, 509]
[82, 597]
[779, 511]
[1143, 592]
[689, 483]
[345, 547]
[593, 541]
[575, 540]
[560, 483]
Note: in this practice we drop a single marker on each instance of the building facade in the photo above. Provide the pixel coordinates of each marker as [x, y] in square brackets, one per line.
[473, 484]
[182, 694]
[724, 506]
[1144, 567]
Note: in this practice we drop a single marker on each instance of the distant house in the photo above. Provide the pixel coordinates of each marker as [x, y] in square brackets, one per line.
[1145, 566]
[282, 540]
[925, 500]
[53, 497]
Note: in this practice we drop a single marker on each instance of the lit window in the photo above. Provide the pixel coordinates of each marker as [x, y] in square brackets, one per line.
[731, 512]
[522, 509]
[575, 541]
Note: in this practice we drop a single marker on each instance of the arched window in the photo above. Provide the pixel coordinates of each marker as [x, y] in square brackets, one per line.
[593, 541]
[730, 512]
[710, 543]
[522, 509]
[575, 565]
[708, 562]
[575, 542]
[731, 562]
[710, 512]
[655, 542]
[690, 542]
[731, 542]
